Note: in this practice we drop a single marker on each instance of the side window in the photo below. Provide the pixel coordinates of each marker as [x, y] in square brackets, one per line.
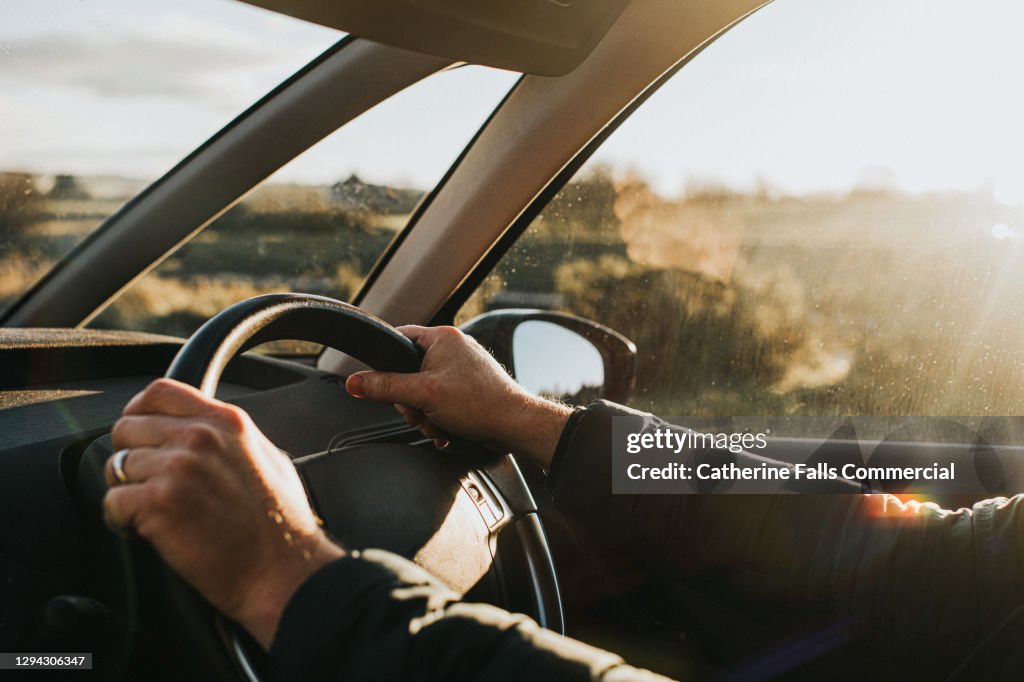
[778, 234]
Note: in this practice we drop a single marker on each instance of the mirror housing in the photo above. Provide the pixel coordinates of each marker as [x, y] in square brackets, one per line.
[496, 331]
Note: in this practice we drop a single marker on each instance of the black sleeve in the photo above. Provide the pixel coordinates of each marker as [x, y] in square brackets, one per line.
[916, 578]
[375, 616]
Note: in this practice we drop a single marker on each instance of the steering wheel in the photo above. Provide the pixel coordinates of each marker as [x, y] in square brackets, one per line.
[470, 519]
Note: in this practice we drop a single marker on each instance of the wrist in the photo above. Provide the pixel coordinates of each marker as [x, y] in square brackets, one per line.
[536, 430]
[264, 604]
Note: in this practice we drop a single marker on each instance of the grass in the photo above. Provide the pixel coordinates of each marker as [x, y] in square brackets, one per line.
[872, 302]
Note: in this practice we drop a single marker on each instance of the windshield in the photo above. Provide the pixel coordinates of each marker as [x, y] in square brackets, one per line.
[97, 100]
[320, 223]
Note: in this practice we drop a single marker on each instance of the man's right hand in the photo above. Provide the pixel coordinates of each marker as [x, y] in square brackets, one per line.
[462, 391]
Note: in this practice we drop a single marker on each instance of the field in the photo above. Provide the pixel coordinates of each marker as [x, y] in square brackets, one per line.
[867, 302]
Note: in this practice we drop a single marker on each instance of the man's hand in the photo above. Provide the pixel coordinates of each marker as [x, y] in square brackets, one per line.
[222, 505]
[462, 391]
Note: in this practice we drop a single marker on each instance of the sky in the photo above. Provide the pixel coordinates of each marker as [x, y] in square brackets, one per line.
[551, 360]
[806, 95]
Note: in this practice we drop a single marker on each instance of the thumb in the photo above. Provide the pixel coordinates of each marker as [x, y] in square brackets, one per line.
[386, 387]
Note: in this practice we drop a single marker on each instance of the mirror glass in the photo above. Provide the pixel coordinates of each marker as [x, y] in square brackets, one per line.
[551, 361]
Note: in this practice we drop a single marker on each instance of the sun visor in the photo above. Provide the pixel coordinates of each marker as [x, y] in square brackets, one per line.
[542, 37]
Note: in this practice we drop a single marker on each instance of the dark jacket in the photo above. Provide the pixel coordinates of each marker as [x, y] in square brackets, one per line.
[914, 579]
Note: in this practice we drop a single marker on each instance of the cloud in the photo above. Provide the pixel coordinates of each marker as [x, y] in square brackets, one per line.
[174, 63]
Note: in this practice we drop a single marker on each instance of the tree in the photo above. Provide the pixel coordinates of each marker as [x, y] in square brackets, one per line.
[587, 203]
[19, 197]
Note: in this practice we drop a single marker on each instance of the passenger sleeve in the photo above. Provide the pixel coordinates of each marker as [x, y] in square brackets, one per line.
[912, 577]
[376, 616]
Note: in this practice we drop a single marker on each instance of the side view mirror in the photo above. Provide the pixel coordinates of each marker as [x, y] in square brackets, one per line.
[559, 355]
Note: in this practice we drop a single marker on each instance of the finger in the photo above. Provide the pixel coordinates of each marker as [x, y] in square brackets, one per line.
[425, 337]
[412, 416]
[141, 464]
[171, 398]
[428, 429]
[141, 430]
[121, 506]
[387, 387]
[418, 420]
[414, 332]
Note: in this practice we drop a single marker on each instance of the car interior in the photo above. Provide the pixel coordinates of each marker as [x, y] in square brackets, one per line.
[482, 523]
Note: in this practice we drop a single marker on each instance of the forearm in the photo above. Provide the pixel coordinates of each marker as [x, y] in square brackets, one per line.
[380, 617]
[912, 575]
[534, 430]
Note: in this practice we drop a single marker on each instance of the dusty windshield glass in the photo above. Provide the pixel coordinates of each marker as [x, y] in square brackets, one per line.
[97, 100]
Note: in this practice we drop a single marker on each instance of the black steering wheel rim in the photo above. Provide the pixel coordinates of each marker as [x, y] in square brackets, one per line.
[300, 317]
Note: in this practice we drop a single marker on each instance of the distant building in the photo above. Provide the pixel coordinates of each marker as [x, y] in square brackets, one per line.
[68, 187]
[356, 194]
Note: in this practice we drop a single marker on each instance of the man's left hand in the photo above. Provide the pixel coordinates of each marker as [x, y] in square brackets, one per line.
[223, 506]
